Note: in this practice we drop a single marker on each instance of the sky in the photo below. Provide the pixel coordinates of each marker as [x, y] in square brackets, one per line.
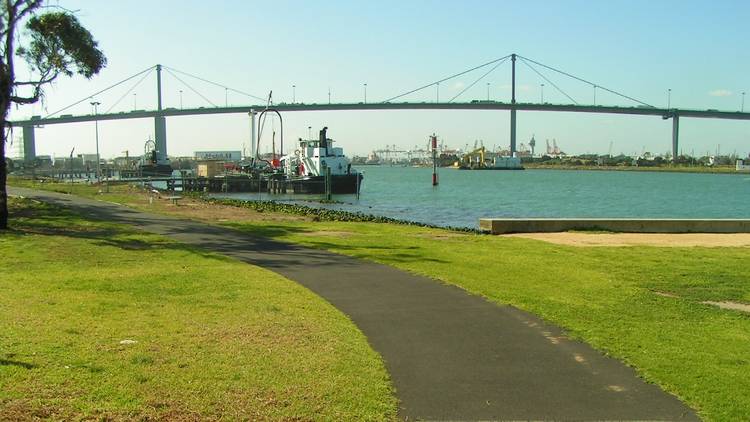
[696, 49]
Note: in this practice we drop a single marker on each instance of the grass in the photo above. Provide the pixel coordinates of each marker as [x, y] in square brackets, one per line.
[608, 297]
[214, 338]
[605, 296]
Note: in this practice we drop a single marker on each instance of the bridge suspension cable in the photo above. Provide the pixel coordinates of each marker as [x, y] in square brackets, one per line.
[445, 79]
[215, 83]
[189, 87]
[129, 90]
[548, 81]
[479, 79]
[587, 82]
[99, 92]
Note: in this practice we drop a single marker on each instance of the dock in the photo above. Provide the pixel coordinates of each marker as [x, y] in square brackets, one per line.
[625, 225]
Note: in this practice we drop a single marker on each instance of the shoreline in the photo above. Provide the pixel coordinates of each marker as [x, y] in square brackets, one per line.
[700, 170]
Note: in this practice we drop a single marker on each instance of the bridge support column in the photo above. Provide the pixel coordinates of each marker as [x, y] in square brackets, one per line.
[512, 132]
[29, 144]
[160, 133]
[253, 141]
[513, 108]
[675, 136]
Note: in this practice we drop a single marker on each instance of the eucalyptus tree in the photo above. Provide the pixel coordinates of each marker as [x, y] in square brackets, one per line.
[52, 42]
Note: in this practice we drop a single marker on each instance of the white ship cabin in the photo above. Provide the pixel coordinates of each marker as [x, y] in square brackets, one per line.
[313, 156]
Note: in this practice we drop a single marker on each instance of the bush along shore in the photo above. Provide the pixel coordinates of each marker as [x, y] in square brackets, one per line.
[323, 214]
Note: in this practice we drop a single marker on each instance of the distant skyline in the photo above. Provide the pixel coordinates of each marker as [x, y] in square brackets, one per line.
[300, 50]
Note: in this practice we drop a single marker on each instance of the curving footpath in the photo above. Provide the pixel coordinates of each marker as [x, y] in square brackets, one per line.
[451, 355]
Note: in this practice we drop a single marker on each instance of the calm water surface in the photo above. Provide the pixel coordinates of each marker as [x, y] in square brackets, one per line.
[465, 196]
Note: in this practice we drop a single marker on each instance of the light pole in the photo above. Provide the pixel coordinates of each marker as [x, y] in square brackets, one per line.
[594, 94]
[96, 126]
[742, 109]
[309, 132]
[488, 92]
[437, 93]
[669, 98]
[135, 104]
[294, 94]
[226, 97]
[329, 95]
[365, 93]
[180, 99]
[542, 100]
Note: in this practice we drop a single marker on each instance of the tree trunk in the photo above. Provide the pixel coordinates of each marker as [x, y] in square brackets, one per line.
[3, 179]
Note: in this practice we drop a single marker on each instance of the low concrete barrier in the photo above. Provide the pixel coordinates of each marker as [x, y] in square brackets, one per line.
[630, 225]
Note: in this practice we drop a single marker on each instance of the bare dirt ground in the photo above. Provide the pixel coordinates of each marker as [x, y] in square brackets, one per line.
[200, 210]
[581, 239]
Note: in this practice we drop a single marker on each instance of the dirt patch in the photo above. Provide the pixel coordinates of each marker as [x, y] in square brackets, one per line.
[735, 306]
[580, 239]
[665, 294]
[201, 210]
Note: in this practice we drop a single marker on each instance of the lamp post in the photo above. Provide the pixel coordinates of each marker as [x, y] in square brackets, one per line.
[226, 97]
[180, 99]
[488, 92]
[742, 109]
[594, 94]
[135, 103]
[294, 94]
[365, 93]
[669, 98]
[329, 95]
[309, 132]
[96, 126]
[437, 92]
[542, 98]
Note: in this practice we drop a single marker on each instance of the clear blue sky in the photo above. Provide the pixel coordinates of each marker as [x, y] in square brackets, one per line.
[640, 48]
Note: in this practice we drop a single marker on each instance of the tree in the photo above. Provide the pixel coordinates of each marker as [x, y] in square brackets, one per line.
[57, 45]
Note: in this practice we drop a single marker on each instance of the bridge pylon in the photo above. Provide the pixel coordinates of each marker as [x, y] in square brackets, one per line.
[675, 136]
[160, 123]
[513, 108]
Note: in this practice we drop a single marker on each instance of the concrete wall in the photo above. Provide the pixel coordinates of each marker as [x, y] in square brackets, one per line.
[537, 225]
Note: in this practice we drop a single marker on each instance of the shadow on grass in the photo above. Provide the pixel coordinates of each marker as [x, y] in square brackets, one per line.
[39, 218]
[390, 253]
[258, 245]
[25, 365]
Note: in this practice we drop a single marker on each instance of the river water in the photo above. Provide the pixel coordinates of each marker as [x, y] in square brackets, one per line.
[462, 197]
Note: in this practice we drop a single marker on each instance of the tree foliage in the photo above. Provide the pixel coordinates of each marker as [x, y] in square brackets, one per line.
[57, 44]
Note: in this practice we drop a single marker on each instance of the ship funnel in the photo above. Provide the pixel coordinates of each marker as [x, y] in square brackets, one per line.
[323, 139]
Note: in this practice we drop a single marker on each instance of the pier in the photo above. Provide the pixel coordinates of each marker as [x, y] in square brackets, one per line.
[626, 225]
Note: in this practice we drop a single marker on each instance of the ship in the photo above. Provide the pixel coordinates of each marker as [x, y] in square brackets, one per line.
[153, 163]
[306, 168]
[476, 160]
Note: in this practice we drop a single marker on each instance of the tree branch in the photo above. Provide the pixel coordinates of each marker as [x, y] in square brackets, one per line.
[30, 6]
[43, 79]
[25, 100]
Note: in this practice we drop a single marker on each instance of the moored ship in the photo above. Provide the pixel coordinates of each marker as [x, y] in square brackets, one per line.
[312, 161]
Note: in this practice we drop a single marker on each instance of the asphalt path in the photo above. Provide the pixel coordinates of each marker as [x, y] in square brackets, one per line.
[450, 355]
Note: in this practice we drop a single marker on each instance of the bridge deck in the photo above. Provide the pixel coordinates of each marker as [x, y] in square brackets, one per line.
[479, 105]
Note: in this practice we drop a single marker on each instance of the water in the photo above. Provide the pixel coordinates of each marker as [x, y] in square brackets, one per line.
[465, 196]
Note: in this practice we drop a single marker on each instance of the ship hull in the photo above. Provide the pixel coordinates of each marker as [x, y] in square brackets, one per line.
[157, 170]
[340, 184]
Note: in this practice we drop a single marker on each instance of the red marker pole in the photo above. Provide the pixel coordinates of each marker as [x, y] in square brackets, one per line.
[434, 160]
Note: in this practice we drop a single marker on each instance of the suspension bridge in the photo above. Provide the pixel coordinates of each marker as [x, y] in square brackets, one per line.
[397, 102]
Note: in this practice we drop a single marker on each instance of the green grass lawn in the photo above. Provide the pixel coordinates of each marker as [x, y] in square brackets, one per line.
[215, 338]
[604, 296]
